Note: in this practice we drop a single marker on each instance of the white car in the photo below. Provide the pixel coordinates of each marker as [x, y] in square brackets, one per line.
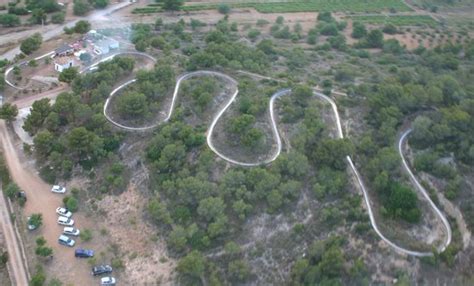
[106, 281]
[63, 212]
[58, 189]
[64, 240]
[65, 221]
[71, 231]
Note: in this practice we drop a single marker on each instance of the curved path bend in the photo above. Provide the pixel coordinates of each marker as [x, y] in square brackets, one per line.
[216, 118]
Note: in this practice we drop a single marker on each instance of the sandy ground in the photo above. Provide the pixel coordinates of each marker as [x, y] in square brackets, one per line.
[16, 265]
[41, 200]
[144, 255]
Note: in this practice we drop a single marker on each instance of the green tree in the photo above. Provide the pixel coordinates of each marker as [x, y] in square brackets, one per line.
[223, 8]
[68, 75]
[58, 18]
[31, 44]
[8, 112]
[38, 16]
[81, 7]
[9, 20]
[39, 112]
[325, 17]
[239, 270]
[172, 5]
[100, 3]
[11, 190]
[82, 27]
[211, 208]
[84, 145]
[132, 105]
[36, 220]
[192, 264]
[39, 278]
[72, 204]
[358, 30]
[375, 39]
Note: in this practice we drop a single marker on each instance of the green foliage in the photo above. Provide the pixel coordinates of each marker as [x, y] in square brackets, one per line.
[68, 75]
[223, 8]
[71, 204]
[193, 264]
[325, 17]
[39, 112]
[172, 5]
[3, 259]
[81, 7]
[58, 18]
[39, 277]
[11, 190]
[31, 44]
[8, 112]
[132, 105]
[9, 20]
[100, 4]
[325, 265]
[375, 39]
[38, 16]
[86, 235]
[358, 30]
[390, 29]
[36, 220]
[41, 248]
[82, 27]
[239, 270]
[311, 6]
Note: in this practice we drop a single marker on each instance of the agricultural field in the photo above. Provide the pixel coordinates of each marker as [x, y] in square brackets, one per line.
[419, 20]
[356, 6]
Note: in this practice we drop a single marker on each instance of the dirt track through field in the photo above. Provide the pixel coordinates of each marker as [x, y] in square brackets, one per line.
[41, 200]
[17, 267]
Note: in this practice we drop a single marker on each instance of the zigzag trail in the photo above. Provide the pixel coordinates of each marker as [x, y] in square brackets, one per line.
[277, 153]
[277, 138]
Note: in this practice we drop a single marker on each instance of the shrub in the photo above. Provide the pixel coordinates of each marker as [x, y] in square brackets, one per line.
[223, 8]
[86, 235]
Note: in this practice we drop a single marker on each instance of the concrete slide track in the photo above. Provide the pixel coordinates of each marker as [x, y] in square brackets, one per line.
[367, 198]
[277, 153]
[278, 142]
[216, 117]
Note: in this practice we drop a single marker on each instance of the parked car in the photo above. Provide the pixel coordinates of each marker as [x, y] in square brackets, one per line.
[58, 189]
[101, 269]
[84, 253]
[106, 281]
[21, 195]
[65, 221]
[64, 240]
[30, 225]
[63, 212]
[71, 231]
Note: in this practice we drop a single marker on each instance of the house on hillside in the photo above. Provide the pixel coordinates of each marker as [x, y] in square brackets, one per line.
[63, 63]
[64, 50]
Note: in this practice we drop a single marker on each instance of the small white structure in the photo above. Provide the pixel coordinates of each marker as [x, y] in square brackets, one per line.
[62, 63]
[104, 46]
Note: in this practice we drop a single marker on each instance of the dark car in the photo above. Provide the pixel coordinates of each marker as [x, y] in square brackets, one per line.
[101, 269]
[84, 253]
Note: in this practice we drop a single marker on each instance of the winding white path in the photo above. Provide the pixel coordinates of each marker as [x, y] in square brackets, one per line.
[279, 146]
[276, 136]
[215, 119]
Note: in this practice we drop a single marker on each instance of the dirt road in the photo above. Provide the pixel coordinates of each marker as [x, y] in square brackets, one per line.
[41, 200]
[17, 268]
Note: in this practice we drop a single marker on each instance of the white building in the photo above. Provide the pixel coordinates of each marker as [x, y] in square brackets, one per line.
[62, 63]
